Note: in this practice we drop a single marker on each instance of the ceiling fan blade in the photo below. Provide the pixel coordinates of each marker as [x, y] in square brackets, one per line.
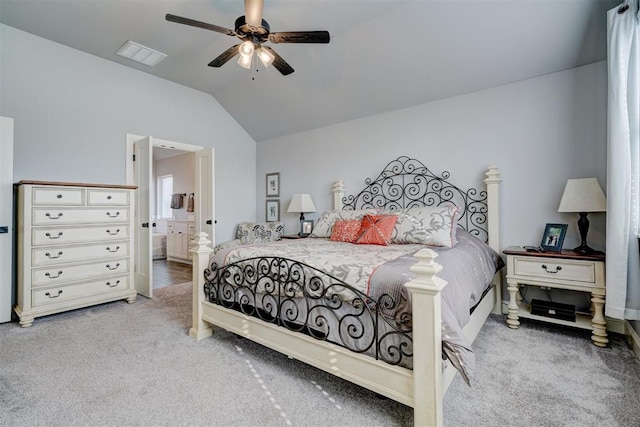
[279, 63]
[194, 23]
[253, 12]
[300, 37]
[225, 56]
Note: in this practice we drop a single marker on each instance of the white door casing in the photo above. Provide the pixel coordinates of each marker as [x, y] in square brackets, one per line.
[205, 193]
[143, 169]
[6, 217]
[204, 205]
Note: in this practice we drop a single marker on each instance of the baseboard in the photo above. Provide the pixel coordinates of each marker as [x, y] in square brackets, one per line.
[634, 339]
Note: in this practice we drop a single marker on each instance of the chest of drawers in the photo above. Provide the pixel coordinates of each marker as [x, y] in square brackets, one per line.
[75, 247]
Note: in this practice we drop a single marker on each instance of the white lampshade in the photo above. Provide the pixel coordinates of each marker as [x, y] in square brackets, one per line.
[301, 203]
[583, 195]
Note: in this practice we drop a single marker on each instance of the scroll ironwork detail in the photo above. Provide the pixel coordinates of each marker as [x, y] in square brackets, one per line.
[406, 183]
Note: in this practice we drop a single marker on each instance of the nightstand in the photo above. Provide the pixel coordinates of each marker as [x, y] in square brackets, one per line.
[564, 270]
[293, 236]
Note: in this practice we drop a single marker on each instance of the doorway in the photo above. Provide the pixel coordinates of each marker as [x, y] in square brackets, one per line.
[163, 233]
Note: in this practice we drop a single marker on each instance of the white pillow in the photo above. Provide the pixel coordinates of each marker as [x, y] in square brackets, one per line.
[427, 225]
[324, 225]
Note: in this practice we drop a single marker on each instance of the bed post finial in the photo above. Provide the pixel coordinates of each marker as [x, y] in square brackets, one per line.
[427, 339]
[338, 194]
[201, 252]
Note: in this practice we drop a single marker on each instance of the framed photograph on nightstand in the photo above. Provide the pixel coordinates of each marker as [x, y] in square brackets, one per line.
[553, 237]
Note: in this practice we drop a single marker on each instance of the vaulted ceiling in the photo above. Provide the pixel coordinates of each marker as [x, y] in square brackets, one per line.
[384, 55]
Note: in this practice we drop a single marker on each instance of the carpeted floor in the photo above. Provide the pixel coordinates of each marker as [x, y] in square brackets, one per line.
[120, 364]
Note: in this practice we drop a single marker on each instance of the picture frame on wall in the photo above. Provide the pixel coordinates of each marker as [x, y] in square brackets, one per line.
[272, 211]
[553, 237]
[306, 227]
[273, 184]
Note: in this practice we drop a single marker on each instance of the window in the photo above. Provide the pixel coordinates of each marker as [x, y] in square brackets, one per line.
[165, 190]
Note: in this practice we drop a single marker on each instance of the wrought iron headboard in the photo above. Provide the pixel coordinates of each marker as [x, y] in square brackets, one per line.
[406, 183]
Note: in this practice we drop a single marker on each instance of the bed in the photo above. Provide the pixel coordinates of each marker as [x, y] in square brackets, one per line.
[389, 340]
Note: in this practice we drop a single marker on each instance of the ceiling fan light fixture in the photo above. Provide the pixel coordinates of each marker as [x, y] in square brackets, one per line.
[245, 61]
[246, 49]
[265, 56]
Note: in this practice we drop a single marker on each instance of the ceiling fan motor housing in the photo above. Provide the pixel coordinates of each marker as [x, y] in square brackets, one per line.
[258, 34]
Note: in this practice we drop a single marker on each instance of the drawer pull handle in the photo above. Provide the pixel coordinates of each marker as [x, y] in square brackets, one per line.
[53, 256]
[108, 197]
[114, 233]
[51, 217]
[114, 268]
[114, 285]
[112, 251]
[113, 216]
[53, 277]
[545, 268]
[56, 237]
[54, 296]
[59, 196]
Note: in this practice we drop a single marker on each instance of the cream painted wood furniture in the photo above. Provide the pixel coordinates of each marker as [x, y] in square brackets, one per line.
[423, 387]
[179, 234]
[75, 246]
[565, 270]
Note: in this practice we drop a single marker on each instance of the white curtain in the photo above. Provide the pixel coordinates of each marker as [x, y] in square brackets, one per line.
[623, 162]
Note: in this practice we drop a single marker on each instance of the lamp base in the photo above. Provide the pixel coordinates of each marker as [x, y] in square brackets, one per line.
[583, 249]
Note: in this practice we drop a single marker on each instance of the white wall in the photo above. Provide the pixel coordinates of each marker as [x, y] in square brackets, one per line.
[73, 110]
[181, 167]
[539, 132]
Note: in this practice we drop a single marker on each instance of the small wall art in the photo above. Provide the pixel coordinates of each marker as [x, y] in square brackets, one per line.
[273, 210]
[273, 184]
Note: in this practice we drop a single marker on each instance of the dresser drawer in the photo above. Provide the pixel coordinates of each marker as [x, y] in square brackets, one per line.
[65, 254]
[63, 235]
[63, 293]
[579, 271]
[55, 216]
[58, 196]
[68, 273]
[108, 197]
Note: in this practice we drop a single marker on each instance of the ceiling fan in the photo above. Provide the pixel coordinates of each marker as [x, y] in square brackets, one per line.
[254, 31]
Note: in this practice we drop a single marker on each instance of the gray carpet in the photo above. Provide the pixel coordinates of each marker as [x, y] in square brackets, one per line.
[120, 364]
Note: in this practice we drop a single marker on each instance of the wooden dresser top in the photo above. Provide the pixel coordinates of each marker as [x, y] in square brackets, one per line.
[77, 184]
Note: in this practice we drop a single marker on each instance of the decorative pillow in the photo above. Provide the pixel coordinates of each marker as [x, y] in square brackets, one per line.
[324, 225]
[376, 229]
[259, 232]
[345, 230]
[427, 225]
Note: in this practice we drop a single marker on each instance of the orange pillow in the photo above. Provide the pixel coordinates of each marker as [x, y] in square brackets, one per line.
[345, 230]
[376, 229]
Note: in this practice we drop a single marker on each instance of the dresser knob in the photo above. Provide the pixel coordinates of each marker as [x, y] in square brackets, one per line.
[53, 296]
[114, 233]
[53, 277]
[59, 196]
[113, 268]
[53, 256]
[56, 237]
[112, 251]
[53, 217]
[113, 285]
[558, 268]
[113, 216]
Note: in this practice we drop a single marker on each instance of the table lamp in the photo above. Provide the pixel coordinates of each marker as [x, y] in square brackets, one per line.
[583, 196]
[301, 203]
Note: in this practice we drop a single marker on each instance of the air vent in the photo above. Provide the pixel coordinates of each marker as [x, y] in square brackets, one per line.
[142, 54]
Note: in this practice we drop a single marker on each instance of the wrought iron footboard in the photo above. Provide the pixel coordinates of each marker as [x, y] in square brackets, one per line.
[301, 298]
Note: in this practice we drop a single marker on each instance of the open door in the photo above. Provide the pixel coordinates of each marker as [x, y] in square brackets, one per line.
[143, 158]
[205, 191]
[6, 217]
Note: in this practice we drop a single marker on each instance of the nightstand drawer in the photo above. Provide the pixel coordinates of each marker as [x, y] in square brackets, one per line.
[579, 271]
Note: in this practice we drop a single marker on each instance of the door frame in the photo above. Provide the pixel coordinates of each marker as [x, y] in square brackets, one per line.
[130, 168]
